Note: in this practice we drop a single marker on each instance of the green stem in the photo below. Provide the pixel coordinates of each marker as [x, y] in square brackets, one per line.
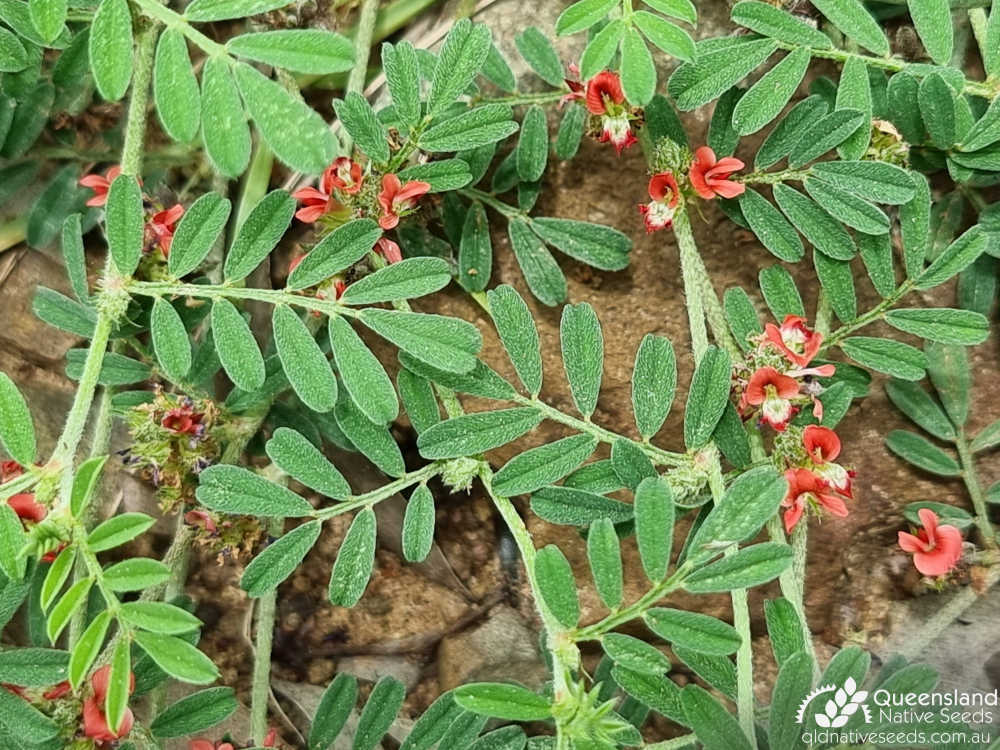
[772, 178]
[693, 284]
[876, 313]
[694, 277]
[517, 98]
[135, 126]
[375, 496]
[565, 654]
[173, 20]
[100, 443]
[362, 50]
[657, 455]
[66, 446]
[636, 609]
[260, 690]
[971, 479]
[892, 64]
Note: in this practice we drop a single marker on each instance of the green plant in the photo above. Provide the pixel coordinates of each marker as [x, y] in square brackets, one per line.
[757, 455]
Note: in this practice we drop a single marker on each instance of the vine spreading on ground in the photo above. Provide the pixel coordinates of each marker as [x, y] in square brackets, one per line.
[886, 159]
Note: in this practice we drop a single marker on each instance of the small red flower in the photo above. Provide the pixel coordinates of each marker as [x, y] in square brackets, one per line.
[26, 507]
[659, 212]
[343, 175]
[388, 250]
[23, 503]
[823, 447]
[604, 93]
[710, 176]
[95, 724]
[182, 420]
[100, 184]
[606, 99]
[161, 225]
[794, 339]
[339, 287]
[397, 199]
[316, 203]
[51, 555]
[773, 392]
[805, 487]
[936, 549]
[271, 740]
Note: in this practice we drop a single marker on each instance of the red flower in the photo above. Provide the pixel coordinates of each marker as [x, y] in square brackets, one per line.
[794, 339]
[10, 470]
[659, 212]
[805, 487]
[604, 93]
[182, 420]
[388, 250]
[100, 184]
[936, 549]
[823, 447]
[773, 392]
[344, 175]
[23, 503]
[316, 203]
[160, 228]
[26, 507]
[710, 177]
[339, 287]
[398, 199]
[606, 99]
[95, 724]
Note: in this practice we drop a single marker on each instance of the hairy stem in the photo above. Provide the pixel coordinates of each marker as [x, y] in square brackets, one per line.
[260, 690]
[892, 64]
[695, 282]
[76, 420]
[135, 126]
[971, 479]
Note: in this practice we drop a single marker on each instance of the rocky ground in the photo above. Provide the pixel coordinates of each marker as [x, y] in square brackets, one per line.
[465, 614]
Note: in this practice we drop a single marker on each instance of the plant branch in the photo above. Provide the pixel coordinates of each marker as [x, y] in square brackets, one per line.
[971, 479]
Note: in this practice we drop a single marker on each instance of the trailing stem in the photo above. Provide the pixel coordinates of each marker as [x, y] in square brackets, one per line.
[971, 480]
[694, 276]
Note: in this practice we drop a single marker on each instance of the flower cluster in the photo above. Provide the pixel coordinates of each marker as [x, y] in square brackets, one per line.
[936, 547]
[173, 440]
[346, 192]
[707, 176]
[160, 222]
[814, 479]
[88, 719]
[779, 377]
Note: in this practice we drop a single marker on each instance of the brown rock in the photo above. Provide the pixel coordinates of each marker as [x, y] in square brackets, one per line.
[502, 648]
